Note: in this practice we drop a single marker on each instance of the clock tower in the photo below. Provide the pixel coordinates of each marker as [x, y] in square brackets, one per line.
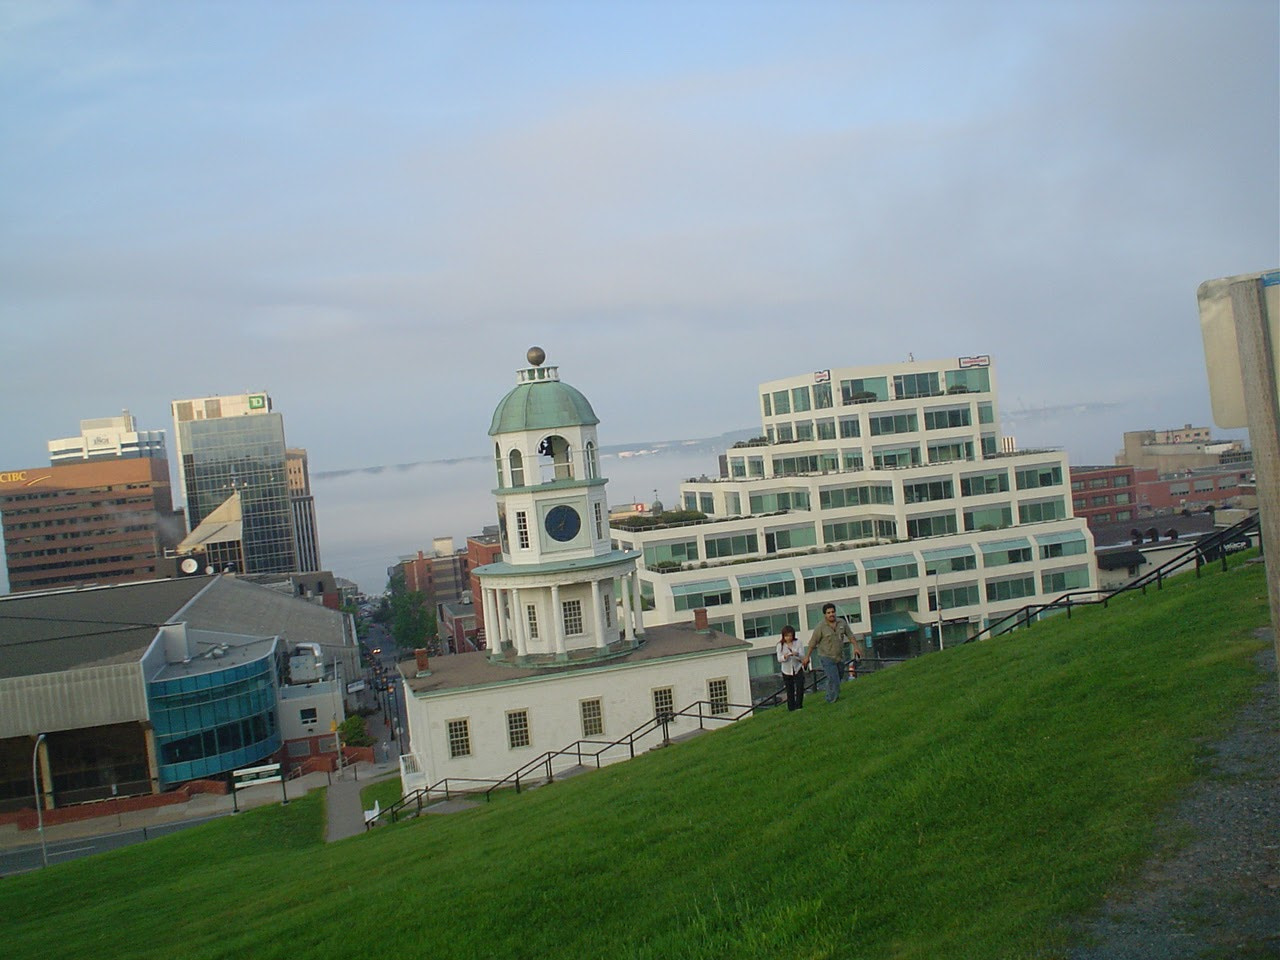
[560, 592]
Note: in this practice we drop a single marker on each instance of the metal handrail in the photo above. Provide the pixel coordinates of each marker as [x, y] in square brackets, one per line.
[1195, 553]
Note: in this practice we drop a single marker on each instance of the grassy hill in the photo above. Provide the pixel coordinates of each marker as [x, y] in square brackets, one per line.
[967, 804]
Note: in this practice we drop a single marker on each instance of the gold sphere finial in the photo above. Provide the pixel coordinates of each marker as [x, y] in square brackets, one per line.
[536, 355]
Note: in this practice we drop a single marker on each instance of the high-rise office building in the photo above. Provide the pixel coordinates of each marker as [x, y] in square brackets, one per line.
[108, 438]
[235, 444]
[102, 520]
[304, 510]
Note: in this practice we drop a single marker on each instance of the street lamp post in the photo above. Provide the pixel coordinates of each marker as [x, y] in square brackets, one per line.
[937, 599]
[35, 780]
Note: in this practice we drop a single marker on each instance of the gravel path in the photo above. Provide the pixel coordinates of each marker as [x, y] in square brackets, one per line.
[1212, 890]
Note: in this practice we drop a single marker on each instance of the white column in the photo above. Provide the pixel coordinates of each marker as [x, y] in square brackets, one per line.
[636, 606]
[519, 625]
[557, 627]
[492, 622]
[597, 613]
[627, 624]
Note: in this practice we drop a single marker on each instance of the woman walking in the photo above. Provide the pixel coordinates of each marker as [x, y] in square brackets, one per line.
[791, 656]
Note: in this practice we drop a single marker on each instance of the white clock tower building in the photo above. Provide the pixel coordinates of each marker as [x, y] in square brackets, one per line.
[561, 592]
[571, 670]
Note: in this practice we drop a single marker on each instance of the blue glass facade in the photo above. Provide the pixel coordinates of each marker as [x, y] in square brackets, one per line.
[247, 455]
[209, 723]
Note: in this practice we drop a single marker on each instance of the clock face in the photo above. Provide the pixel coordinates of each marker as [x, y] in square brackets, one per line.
[562, 523]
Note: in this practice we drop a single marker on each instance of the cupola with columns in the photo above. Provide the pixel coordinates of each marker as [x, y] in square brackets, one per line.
[560, 592]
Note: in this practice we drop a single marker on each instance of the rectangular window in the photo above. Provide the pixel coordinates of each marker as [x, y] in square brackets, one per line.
[1042, 510]
[706, 503]
[784, 433]
[986, 413]
[737, 467]
[1011, 589]
[743, 543]
[906, 385]
[962, 596]
[532, 611]
[658, 555]
[969, 380]
[459, 734]
[1034, 477]
[768, 405]
[989, 518]
[895, 458]
[926, 490]
[517, 729]
[822, 396]
[307, 715]
[1058, 581]
[804, 429]
[949, 452]
[800, 399]
[826, 429]
[932, 526]
[781, 402]
[948, 418]
[864, 391]
[718, 694]
[767, 625]
[522, 529]
[664, 703]
[850, 427]
[592, 718]
[599, 521]
[893, 423]
[572, 617]
[755, 466]
[733, 504]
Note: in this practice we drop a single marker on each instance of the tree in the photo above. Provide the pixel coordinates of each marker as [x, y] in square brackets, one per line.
[412, 620]
[353, 733]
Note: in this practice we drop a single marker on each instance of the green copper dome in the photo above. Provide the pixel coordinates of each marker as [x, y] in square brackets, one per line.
[541, 402]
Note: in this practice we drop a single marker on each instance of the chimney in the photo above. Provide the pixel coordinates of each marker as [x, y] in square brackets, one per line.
[700, 619]
[424, 667]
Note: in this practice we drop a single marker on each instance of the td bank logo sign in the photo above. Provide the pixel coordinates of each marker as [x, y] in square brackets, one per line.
[21, 478]
[257, 401]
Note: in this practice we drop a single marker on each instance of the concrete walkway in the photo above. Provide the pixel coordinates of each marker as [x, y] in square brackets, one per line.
[343, 805]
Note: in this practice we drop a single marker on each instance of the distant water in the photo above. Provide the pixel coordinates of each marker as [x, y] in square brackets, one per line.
[368, 519]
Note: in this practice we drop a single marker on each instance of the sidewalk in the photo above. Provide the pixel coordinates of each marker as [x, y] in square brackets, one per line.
[344, 810]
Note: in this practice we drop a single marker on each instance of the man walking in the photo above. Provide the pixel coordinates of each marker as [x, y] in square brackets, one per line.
[829, 637]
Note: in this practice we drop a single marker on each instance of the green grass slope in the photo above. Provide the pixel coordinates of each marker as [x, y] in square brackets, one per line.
[967, 804]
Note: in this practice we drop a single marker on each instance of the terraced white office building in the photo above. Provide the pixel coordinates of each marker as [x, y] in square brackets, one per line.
[882, 489]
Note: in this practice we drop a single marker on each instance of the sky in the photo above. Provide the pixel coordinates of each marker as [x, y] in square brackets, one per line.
[372, 210]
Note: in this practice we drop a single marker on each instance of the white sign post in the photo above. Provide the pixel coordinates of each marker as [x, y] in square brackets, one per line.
[1240, 321]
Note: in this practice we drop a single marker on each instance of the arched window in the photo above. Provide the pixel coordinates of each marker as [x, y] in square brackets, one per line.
[517, 468]
[593, 467]
[556, 461]
[497, 463]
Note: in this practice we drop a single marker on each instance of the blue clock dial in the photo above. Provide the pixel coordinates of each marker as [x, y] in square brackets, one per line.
[562, 523]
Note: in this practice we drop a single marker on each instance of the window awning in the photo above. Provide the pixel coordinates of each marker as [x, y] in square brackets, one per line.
[1121, 560]
[948, 554]
[895, 621]
[765, 579]
[1074, 536]
[996, 546]
[701, 586]
[830, 570]
[898, 560]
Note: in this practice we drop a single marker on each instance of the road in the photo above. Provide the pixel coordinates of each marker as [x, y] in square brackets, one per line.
[22, 859]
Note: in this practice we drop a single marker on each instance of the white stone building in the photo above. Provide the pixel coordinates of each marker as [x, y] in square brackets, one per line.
[881, 489]
[569, 655]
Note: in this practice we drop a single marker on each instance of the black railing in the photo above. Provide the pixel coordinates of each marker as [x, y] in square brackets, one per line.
[1198, 553]
[543, 769]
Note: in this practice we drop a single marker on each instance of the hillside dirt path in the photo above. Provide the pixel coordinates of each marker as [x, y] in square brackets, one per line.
[1211, 891]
